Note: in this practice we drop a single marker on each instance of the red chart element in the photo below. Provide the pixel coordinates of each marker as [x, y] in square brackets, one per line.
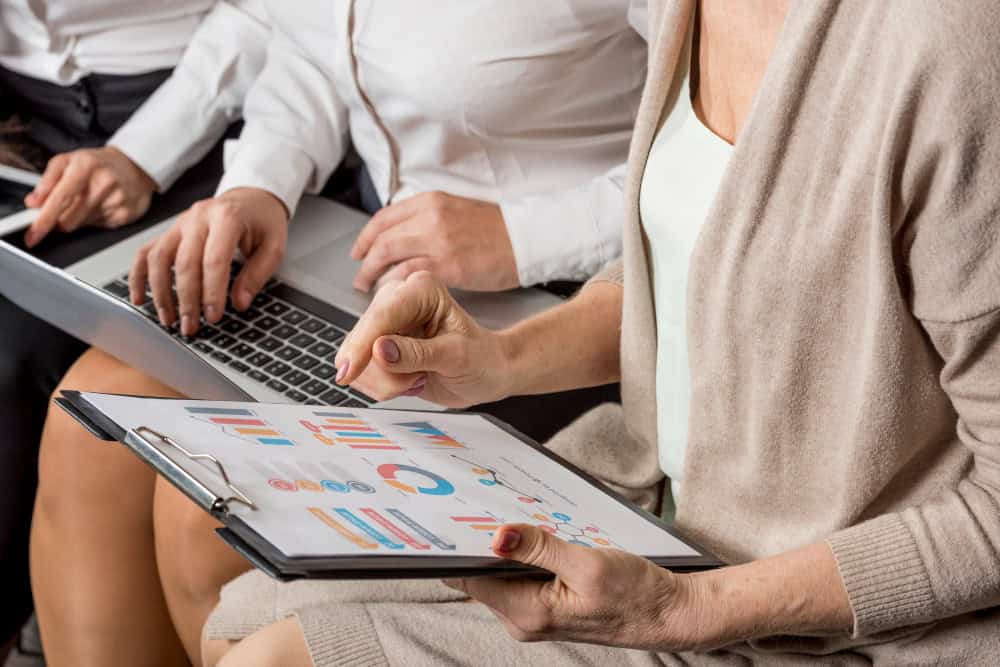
[394, 530]
[347, 428]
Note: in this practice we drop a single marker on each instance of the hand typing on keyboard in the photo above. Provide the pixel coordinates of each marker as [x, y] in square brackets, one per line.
[197, 252]
[285, 341]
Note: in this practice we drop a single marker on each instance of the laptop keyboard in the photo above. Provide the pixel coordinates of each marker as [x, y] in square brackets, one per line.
[286, 340]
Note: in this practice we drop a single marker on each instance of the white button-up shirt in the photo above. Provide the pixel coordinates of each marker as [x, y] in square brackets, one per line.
[216, 48]
[526, 103]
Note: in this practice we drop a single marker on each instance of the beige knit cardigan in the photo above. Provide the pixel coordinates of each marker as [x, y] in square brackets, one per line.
[844, 317]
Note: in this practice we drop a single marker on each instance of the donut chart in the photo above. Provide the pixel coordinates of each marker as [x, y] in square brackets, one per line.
[391, 471]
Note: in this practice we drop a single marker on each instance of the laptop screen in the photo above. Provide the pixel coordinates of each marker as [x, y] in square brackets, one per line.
[12, 196]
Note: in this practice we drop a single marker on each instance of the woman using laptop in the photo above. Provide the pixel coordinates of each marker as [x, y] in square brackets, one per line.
[113, 101]
[806, 327]
[493, 135]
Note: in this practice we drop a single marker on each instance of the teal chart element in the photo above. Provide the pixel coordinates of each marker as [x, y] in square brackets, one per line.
[431, 435]
[390, 473]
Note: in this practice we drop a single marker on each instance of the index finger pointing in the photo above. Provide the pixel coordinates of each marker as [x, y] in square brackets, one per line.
[397, 308]
[72, 183]
[53, 172]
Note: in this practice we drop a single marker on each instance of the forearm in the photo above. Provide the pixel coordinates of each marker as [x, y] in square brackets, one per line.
[796, 593]
[188, 114]
[573, 345]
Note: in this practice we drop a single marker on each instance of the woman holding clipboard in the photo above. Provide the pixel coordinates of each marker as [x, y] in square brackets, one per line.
[840, 389]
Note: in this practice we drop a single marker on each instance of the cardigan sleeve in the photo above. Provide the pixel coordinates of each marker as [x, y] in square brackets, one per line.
[941, 557]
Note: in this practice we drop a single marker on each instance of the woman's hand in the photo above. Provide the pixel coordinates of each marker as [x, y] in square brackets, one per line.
[90, 186]
[415, 340]
[598, 596]
[605, 596]
[463, 242]
[198, 251]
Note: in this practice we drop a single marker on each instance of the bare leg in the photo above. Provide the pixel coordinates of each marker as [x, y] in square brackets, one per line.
[194, 563]
[93, 561]
[278, 645]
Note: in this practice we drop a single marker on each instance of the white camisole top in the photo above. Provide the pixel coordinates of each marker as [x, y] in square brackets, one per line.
[683, 173]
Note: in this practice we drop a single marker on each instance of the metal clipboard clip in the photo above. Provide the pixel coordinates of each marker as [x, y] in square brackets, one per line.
[217, 503]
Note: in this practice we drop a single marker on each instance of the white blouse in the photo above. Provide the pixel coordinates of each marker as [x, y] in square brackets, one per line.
[526, 103]
[216, 48]
[683, 173]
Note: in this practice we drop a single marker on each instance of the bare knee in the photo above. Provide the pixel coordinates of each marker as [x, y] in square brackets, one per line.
[76, 470]
[278, 645]
[194, 563]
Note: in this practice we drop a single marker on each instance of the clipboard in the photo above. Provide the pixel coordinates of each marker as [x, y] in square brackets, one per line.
[221, 498]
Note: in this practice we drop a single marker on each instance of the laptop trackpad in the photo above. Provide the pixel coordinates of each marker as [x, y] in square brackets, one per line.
[331, 263]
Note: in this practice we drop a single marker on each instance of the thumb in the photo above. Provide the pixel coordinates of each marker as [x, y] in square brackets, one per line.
[402, 354]
[533, 546]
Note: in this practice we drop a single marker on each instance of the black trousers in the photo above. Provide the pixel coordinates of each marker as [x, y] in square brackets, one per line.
[33, 355]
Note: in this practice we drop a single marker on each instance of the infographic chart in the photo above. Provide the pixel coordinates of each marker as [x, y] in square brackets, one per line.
[431, 435]
[347, 428]
[374, 529]
[394, 474]
[241, 423]
[493, 477]
[309, 476]
[562, 525]
[386, 482]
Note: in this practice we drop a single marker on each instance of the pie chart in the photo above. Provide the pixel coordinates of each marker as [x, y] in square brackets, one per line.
[397, 476]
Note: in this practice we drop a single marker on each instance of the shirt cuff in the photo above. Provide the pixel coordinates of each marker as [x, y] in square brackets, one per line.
[557, 238]
[884, 575]
[166, 136]
[267, 164]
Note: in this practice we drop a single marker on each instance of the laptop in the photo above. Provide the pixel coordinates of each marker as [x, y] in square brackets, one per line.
[278, 351]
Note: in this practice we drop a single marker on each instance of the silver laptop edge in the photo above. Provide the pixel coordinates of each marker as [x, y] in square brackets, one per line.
[317, 264]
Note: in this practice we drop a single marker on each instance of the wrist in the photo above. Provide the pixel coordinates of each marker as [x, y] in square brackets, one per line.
[258, 199]
[686, 620]
[509, 347]
[795, 593]
[139, 175]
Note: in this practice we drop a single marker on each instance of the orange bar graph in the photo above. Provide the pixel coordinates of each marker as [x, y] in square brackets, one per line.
[258, 431]
[342, 529]
[347, 422]
[366, 441]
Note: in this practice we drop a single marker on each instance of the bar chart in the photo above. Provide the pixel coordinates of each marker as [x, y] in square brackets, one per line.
[348, 429]
[241, 423]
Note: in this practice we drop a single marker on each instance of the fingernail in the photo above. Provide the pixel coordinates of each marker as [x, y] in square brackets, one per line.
[29, 239]
[417, 387]
[244, 298]
[211, 312]
[162, 314]
[389, 350]
[186, 324]
[342, 372]
[509, 540]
